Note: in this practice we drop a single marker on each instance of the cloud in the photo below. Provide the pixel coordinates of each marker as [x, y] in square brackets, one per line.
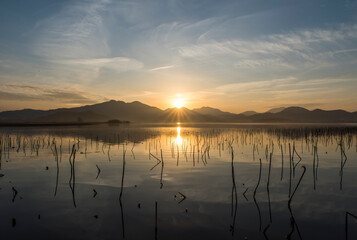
[118, 64]
[287, 88]
[304, 47]
[76, 46]
[161, 68]
[22, 92]
[77, 31]
[246, 87]
[259, 63]
[175, 33]
[290, 91]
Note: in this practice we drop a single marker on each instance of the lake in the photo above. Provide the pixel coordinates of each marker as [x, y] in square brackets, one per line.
[179, 181]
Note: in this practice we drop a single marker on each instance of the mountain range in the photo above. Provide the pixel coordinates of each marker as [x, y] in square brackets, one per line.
[139, 112]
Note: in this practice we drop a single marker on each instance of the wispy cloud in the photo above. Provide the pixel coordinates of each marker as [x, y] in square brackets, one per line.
[284, 50]
[21, 92]
[262, 95]
[118, 64]
[77, 31]
[266, 85]
[161, 68]
[288, 88]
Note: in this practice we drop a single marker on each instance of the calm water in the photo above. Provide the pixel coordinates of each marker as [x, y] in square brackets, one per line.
[178, 182]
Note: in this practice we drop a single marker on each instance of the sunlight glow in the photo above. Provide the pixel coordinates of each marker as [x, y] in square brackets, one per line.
[179, 103]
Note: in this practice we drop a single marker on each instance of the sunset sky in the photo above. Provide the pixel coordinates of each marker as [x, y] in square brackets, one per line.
[232, 55]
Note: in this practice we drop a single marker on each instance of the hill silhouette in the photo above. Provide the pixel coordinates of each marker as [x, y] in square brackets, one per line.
[140, 112]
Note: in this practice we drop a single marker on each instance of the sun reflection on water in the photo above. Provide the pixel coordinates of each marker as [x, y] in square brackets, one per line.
[178, 138]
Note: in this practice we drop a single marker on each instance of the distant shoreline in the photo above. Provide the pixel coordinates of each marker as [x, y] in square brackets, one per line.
[59, 124]
[182, 124]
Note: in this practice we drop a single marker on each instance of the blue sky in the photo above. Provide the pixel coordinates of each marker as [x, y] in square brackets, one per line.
[233, 55]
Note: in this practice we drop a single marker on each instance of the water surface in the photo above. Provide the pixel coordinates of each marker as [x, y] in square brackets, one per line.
[179, 182]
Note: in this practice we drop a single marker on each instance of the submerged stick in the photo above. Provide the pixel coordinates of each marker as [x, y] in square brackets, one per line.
[265, 231]
[295, 165]
[122, 175]
[346, 222]
[162, 170]
[57, 172]
[132, 150]
[314, 168]
[268, 182]
[183, 197]
[292, 219]
[234, 193]
[292, 195]
[245, 193]
[98, 171]
[290, 170]
[282, 163]
[343, 162]
[255, 192]
[72, 180]
[14, 194]
[157, 163]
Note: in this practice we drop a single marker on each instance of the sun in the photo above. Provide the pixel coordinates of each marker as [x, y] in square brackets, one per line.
[179, 103]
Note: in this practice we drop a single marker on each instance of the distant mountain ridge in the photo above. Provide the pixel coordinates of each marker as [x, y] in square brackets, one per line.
[139, 112]
[249, 113]
[276, 110]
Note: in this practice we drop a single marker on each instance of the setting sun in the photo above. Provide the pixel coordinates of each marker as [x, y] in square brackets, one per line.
[178, 103]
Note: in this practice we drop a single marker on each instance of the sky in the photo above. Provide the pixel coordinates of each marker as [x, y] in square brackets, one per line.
[233, 55]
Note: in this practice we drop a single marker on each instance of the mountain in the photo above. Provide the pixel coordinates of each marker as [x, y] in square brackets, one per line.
[139, 112]
[210, 111]
[72, 116]
[276, 110]
[22, 115]
[249, 113]
[134, 111]
[302, 115]
[184, 115]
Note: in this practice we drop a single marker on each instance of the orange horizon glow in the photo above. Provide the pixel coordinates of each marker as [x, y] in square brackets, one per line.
[179, 103]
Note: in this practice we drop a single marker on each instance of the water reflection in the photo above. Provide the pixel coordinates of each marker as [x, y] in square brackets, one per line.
[226, 189]
[178, 138]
